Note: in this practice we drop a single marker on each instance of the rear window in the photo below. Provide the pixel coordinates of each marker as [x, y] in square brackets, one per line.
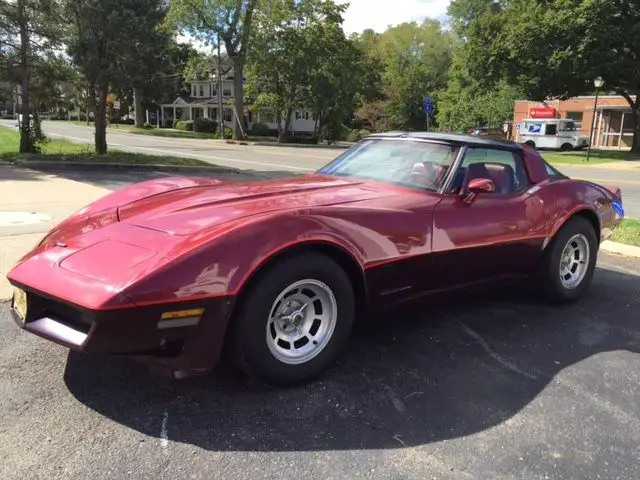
[553, 172]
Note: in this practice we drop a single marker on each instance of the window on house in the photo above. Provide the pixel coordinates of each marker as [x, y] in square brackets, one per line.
[226, 92]
[202, 90]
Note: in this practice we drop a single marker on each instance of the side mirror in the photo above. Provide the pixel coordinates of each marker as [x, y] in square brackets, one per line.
[481, 185]
[476, 186]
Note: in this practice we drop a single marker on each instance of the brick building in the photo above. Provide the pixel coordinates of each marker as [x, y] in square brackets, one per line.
[613, 128]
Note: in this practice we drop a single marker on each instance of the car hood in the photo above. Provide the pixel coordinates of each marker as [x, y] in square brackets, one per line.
[187, 211]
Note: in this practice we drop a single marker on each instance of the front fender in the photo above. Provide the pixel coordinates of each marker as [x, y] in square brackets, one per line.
[220, 265]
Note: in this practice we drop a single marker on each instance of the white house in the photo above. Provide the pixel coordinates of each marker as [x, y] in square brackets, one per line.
[203, 102]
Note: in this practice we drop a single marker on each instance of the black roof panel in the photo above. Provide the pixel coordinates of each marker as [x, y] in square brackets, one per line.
[450, 137]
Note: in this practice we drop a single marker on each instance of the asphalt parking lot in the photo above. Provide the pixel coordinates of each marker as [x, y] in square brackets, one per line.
[472, 387]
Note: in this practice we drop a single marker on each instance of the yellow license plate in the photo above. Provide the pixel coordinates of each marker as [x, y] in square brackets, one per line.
[20, 303]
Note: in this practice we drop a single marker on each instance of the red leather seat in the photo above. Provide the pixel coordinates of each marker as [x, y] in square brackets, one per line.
[503, 175]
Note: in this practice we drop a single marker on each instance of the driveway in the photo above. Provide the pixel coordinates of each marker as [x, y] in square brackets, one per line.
[467, 387]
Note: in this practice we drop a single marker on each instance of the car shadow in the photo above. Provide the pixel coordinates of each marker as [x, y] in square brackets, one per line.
[437, 370]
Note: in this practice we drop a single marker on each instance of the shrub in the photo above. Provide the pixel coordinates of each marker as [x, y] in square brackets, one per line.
[205, 125]
[334, 132]
[260, 130]
[148, 126]
[357, 135]
[184, 125]
[228, 133]
[301, 139]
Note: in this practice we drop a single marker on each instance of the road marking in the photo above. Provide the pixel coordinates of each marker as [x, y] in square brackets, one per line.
[164, 434]
[194, 155]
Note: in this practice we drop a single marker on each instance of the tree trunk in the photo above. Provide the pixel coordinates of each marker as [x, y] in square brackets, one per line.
[281, 126]
[137, 107]
[238, 96]
[26, 139]
[101, 121]
[635, 109]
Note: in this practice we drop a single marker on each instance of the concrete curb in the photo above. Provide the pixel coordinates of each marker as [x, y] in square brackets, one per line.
[61, 165]
[620, 249]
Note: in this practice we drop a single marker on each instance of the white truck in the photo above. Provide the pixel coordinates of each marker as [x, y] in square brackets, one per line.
[552, 133]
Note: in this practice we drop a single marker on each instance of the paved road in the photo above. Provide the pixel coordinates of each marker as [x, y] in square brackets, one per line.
[469, 388]
[286, 160]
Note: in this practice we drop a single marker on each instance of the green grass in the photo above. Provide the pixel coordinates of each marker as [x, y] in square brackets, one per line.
[65, 151]
[596, 156]
[168, 132]
[628, 232]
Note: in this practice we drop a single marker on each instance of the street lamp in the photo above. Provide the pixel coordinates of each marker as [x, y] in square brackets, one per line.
[598, 82]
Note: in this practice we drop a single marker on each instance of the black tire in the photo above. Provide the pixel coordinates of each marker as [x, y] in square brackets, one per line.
[547, 278]
[251, 351]
[566, 147]
[531, 143]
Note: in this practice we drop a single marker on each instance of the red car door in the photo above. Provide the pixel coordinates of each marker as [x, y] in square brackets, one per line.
[487, 235]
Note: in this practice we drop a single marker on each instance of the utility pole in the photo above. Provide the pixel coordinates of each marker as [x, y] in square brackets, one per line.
[219, 88]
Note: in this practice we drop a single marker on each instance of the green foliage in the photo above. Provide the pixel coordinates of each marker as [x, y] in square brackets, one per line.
[228, 22]
[553, 49]
[204, 125]
[29, 31]
[184, 125]
[357, 135]
[301, 139]
[334, 132]
[260, 130]
[107, 41]
[300, 58]
[468, 103]
[228, 133]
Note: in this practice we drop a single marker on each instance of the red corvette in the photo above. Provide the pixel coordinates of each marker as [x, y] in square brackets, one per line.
[171, 270]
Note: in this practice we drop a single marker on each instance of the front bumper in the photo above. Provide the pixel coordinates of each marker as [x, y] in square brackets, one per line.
[179, 351]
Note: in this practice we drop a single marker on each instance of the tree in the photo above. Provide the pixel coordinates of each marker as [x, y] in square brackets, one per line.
[226, 21]
[468, 102]
[554, 49]
[302, 59]
[104, 40]
[416, 60]
[149, 53]
[29, 31]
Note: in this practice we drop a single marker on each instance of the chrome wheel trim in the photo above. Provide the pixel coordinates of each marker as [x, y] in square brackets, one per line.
[301, 322]
[574, 261]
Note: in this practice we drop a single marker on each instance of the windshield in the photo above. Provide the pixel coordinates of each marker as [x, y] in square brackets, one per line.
[410, 163]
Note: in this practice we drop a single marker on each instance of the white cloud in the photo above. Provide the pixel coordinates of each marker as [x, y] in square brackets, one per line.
[380, 14]
[375, 14]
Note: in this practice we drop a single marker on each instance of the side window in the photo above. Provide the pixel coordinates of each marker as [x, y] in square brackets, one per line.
[504, 167]
[551, 129]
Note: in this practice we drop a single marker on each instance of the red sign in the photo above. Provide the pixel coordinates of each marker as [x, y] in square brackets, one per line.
[543, 112]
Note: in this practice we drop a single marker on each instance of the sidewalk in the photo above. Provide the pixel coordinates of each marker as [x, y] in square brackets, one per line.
[31, 203]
